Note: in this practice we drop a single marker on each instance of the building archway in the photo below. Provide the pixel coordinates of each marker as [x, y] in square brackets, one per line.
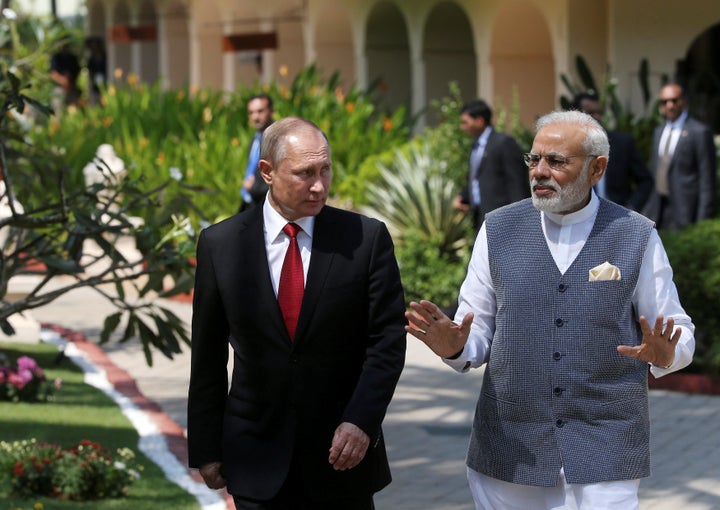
[96, 20]
[176, 45]
[334, 44]
[449, 55]
[699, 73]
[521, 47]
[121, 57]
[388, 56]
[147, 53]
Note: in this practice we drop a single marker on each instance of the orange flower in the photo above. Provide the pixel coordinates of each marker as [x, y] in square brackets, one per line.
[144, 142]
[350, 107]
[118, 73]
[339, 94]
[387, 124]
[161, 158]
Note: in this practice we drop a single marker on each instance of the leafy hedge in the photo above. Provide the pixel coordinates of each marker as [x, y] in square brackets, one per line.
[202, 136]
[695, 259]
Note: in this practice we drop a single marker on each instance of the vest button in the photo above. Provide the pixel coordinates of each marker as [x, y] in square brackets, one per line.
[559, 423]
[557, 356]
[558, 391]
[562, 287]
[559, 323]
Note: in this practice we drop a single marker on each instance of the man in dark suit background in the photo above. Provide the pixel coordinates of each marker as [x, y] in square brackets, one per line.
[627, 180]
[498, 175]
[260, 111]
[683, 164]
[300, 426]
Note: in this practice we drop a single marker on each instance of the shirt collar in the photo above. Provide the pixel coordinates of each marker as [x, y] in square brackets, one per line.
[586, 213]
[274, 222]
[679, 122]
[483, 138]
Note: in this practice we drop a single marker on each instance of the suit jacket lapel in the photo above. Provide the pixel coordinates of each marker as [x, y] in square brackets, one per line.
[320, 262]
[254, 258]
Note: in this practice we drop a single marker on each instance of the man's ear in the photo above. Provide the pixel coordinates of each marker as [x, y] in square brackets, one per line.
[597, 169]
[265, 171]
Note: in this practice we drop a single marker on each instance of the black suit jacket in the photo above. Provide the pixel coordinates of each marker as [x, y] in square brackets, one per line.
[627, 180]
[691, 176]
[502, 174]
[285, 396]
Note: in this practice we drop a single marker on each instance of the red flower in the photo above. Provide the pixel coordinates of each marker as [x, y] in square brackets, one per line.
[19, 469]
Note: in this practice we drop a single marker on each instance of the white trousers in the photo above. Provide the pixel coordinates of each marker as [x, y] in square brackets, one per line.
[492, 494]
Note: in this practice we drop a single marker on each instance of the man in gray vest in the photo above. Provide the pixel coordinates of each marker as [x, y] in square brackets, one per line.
[567, 300]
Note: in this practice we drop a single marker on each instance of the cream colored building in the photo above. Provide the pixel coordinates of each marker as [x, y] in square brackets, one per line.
[492, 48]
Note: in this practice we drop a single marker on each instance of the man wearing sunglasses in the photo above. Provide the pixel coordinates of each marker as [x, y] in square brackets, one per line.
[682, 162]
[567, 300]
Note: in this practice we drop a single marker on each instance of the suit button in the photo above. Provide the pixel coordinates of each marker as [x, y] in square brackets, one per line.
[557, 356]
[562, 287]
[559, 323]
[559, 423]
[558, 391]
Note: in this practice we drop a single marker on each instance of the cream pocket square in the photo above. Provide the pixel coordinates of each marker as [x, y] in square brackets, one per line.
[605, 271]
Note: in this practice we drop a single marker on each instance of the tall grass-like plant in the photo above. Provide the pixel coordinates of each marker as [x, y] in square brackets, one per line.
[414, 199]
[413, 194]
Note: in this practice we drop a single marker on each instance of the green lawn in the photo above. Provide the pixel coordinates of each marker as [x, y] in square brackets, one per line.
[78, 412]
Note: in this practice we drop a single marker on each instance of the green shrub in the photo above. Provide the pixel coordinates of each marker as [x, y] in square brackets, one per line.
[427, 272]
[695, 259]
[203, 135]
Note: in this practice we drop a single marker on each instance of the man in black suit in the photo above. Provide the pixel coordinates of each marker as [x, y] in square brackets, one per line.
[498, 175]
[627, 180]
[300, 427]
[683, 164]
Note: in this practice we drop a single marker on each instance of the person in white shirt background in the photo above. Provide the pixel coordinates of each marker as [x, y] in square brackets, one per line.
[567, 300]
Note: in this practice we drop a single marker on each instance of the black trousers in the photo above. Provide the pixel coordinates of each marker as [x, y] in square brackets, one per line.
[293, 495]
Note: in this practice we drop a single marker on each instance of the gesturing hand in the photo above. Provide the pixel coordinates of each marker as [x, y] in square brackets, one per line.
[658, 346]
[429, 324]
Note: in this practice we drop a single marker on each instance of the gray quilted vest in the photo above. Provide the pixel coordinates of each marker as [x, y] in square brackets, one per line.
[555, 391]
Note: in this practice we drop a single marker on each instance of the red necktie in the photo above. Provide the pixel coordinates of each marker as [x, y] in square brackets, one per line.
[292, 284]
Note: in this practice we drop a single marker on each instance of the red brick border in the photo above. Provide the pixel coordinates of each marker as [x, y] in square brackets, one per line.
[125, 384]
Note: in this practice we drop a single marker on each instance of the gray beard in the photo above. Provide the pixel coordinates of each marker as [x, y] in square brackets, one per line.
[566, 198]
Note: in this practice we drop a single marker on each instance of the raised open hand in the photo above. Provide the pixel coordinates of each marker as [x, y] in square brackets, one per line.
[429, 324]
[658, 345]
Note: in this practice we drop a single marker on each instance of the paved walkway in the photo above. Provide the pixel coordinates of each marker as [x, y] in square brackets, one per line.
[428, 422]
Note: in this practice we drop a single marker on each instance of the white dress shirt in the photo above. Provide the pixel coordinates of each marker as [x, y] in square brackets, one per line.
[654, 294]
[277, 241]
[672, 129]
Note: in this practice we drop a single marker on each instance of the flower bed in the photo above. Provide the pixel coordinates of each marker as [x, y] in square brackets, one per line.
[26, 382]
[85, 471]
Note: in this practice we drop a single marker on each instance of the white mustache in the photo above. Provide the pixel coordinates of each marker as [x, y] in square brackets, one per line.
[545, 182]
